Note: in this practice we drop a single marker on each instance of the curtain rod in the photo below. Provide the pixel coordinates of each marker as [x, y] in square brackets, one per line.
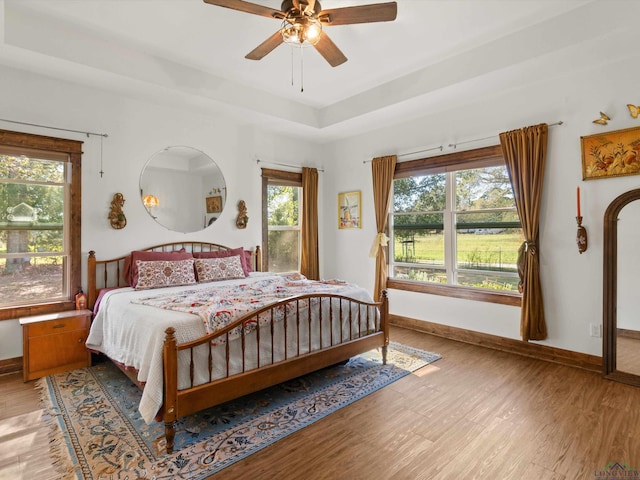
[104, 135]
[454, 145]
[285, 165]
[411, 153]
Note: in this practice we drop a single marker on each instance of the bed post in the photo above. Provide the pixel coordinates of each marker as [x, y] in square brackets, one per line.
[91, 280]
[258, 259]
[384, 324]
[170, 359]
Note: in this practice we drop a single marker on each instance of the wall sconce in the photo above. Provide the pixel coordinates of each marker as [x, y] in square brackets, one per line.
[117, 218]
[150, 201]
[581, 236]
[242, 218]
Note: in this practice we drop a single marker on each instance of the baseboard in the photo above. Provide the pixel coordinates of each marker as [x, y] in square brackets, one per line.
[635, 334]
[10, 365]
[534, 350]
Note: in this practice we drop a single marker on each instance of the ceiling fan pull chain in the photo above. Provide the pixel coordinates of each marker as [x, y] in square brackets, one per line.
[292, 61]
[301, 69]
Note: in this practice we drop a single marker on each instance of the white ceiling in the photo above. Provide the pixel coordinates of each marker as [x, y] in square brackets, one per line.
[435, 54]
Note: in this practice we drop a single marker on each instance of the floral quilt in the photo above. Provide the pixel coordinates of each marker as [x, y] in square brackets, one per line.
[218, 306]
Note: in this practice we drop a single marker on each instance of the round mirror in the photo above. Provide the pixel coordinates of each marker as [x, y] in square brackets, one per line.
[182, 189]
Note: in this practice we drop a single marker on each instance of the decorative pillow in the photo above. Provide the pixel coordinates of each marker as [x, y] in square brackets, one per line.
[223, 268]
[246, 266]
[164, 273]
[131, 269]
[248, 261]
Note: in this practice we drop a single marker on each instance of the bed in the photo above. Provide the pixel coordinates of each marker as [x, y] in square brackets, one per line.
[193, 345]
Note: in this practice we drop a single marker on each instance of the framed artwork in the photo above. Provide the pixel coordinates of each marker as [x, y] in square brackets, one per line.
[214, 204]
[611, 154]
[349, 210]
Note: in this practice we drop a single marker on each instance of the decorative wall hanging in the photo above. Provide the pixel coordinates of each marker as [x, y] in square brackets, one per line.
[581, 236]
[349, 210]
[602, 120]
[634, 110]
[611, 154]
[117, 218]
[242, 218]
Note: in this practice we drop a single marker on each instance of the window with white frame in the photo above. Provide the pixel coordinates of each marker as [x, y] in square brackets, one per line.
[454, 222]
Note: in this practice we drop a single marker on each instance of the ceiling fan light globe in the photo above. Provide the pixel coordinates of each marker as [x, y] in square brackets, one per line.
[313, 32]
[301, 31]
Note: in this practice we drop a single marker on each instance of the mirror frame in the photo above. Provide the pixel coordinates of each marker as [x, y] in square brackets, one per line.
[610, 289]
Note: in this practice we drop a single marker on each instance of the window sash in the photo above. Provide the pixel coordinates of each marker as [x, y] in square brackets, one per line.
[272, 177]
[451, 163]
[70, 153]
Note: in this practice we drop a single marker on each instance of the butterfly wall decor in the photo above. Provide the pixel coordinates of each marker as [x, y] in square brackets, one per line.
[602, 120]
[634, 110]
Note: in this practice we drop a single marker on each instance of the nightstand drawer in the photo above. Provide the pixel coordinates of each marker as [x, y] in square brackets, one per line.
[55, 327]
[55, 343]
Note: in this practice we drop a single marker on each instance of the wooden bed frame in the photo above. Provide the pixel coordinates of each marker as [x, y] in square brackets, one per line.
[179, 403]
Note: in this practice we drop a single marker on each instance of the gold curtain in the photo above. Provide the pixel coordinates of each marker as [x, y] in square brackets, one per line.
[382, 169]
[309, 264]
[525, 152]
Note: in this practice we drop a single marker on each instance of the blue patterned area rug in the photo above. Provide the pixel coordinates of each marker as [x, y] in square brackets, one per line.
[99, 434]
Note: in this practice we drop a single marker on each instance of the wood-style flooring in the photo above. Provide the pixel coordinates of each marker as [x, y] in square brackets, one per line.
[474, 414]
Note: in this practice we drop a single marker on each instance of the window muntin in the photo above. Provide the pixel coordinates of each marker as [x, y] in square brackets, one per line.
[34, 251]
[457, 227]
[283, 227]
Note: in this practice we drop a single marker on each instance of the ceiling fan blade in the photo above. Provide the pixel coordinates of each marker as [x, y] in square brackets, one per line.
[265, 47]
[378, 12]
[247, 7]
[330, 51]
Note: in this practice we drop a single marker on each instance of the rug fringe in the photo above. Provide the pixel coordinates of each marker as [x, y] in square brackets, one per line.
[60, 459]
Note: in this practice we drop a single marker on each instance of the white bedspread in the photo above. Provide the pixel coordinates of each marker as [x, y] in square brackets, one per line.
[133, 335]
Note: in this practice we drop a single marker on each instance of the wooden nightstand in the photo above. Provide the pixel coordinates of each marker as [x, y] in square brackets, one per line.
[54, 343]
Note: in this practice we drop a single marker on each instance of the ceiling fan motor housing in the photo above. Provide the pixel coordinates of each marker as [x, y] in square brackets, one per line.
[288, 5]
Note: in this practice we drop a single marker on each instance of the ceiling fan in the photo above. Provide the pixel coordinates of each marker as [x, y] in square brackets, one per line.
[303, 22]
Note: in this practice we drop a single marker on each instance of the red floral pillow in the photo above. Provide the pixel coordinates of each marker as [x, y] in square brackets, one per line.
[164, 273]
[222, 268]
[131, 268]
[246, 264]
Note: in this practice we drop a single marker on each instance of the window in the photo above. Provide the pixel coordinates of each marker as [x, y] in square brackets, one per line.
[282, 215]
[454, 223]
[39, 224]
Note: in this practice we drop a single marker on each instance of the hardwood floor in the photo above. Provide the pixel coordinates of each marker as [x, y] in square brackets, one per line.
[476, 413]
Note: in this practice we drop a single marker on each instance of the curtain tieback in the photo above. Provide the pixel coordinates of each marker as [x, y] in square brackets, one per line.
[530, 247]
[381, 240]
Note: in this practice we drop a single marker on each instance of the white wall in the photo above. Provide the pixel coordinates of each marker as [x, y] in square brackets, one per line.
[137, 129]
[572, 283]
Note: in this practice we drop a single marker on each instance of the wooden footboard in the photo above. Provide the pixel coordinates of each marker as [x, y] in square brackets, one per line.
[344, 327]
